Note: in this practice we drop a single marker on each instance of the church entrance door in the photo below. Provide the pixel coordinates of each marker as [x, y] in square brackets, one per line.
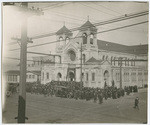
[71, 76]
[106, 78]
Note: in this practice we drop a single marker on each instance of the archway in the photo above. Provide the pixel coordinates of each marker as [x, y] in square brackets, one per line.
[106, 78]
[59, 76]
[71, 76]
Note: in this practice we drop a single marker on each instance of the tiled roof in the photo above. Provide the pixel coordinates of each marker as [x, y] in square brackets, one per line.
[87, 24]
[138, 49]
[63, 30]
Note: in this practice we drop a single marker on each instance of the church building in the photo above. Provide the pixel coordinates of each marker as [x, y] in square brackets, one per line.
[95, 62]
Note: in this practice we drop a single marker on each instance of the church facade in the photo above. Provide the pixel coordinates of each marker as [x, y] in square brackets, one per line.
[95, 62]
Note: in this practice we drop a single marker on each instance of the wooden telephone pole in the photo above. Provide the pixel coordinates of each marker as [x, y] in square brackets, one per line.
[120, 72]
[23, 59]
[81, 64]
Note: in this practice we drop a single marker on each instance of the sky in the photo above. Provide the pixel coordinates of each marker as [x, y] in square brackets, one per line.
[72, 14]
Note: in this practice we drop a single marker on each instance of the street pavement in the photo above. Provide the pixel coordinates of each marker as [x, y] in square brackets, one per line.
[40, 109]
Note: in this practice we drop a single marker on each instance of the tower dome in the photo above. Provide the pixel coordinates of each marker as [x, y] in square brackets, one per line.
[86, 25]
[63, 30]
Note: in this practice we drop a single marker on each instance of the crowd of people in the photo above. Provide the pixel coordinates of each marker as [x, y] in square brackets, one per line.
[76, 90]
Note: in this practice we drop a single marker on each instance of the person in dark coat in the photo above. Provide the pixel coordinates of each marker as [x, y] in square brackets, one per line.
[136, 103]
[100, 97]
[95, 96]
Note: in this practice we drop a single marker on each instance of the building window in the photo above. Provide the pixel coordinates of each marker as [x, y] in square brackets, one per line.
[67, 40]
[29, 76]
[72, 55]
[60, 41]
[91, 38]
[59, 76]
[93, 76]
[33, 76]
[60, 38]
[84, 38]
[47, 75]
[82, 76]
[87, 76]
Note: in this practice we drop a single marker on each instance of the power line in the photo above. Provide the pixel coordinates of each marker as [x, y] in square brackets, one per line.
[118, 19]
[96, 9]
[67, 16]
[106, 7]
[58, 5]
[123, 27]
[88, 35]
[125, 17]
[52, 4]
[70, 15]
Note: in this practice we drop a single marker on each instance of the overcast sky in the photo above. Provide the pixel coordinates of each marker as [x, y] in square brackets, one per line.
[74, 14]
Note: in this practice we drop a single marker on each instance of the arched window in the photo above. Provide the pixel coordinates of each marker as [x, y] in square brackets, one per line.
[60, 40]
[91, 38]
[67, 40]
[59, 76]
[84, 58]
[84, 38]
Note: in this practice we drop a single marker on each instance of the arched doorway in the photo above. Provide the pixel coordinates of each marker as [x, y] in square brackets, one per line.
[106, 78]
[59, 76]
[71, 76]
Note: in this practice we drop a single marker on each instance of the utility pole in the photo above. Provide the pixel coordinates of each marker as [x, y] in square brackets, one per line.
[23, 60]
[81, 64]
[120, 72]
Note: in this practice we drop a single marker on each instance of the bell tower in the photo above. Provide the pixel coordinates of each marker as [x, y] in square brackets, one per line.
[88, 32]
[63, 37]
